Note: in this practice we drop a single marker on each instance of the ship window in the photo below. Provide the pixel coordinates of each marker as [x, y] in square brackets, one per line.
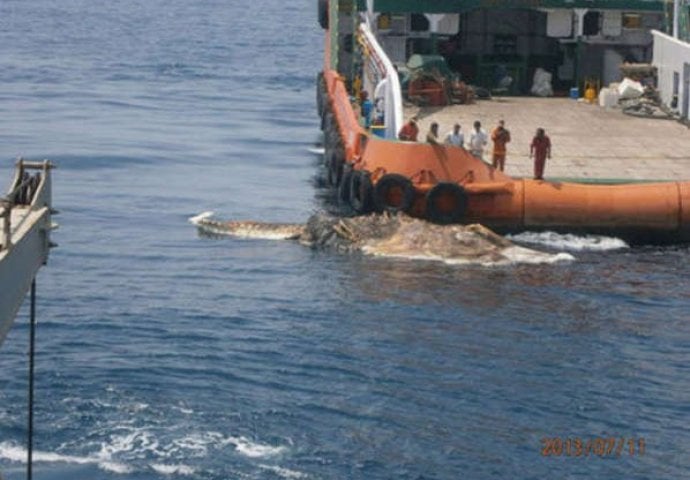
[591, 23]
[505, 44]
[632, 20]
[399, 23]
[419, 23]
[384, 21]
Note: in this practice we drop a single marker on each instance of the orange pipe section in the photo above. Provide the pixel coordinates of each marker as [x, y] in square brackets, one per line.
[653, 206]
[426, 163]
[684, 202]
[538, 204]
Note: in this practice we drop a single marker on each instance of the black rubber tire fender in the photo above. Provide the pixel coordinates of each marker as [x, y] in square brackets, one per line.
[360, 192]
[436, 214]
[319, 93]
[336, 162]
[323, 13]
[344, 187]
[327, 120]
[383, 188]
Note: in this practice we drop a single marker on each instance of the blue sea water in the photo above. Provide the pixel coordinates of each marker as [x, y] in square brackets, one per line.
[165, 354]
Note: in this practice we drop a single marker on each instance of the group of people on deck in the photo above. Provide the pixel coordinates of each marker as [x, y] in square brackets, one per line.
[540, 148]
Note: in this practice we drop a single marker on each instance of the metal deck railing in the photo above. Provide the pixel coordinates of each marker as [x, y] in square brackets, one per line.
[30, 190]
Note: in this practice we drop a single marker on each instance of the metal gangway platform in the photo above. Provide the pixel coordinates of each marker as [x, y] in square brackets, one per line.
[25, 225]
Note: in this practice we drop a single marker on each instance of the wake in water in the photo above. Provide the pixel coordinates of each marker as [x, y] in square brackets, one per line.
[570, 242]
[125, 453]
[397, 236]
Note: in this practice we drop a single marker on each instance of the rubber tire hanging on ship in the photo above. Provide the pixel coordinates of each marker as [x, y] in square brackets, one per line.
[345, 183]
[436, 213]
[323, 13]
[319, 93]
[335, 164]
[387, 186]
[360, 192]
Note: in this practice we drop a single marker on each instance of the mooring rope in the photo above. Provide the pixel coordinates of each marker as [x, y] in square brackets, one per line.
[32, 350]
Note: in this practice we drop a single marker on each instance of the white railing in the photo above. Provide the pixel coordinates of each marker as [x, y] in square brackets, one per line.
[381, 81]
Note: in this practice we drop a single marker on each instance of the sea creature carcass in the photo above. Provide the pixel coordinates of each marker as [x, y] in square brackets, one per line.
[388, 236]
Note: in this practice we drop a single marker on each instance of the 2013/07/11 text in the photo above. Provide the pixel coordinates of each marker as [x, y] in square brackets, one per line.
[598, 446]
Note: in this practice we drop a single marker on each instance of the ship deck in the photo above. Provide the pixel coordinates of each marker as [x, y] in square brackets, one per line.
[589, 143]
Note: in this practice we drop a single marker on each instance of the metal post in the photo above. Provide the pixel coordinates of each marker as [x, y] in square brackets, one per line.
[6, 217]
[676, 12]
[434, 21]
[579, 32]
[578, 61]
[32, 343]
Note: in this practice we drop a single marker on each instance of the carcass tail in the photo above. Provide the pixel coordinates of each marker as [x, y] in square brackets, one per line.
[247, 229]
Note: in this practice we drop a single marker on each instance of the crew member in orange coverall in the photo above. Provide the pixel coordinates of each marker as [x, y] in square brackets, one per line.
[500, 136]
[409, 131]
[540, 150]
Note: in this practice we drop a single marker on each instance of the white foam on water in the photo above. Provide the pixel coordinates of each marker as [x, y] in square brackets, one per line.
[317, 150]
[114, 467]
[250, 449]
[138, 440]
[139, 406]
[517, 254]
[568, 241]
[509, 256]
[179, 469]
[256, 450]
[183, 409]
[131, 444]
[284, 472]
[123, 453]
[16, 453]
[197, 444]
[197, 219]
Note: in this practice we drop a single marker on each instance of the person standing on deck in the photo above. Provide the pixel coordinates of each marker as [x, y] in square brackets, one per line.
[432, 135]
[409, 131]
[500, 136]
[367, 108]
[540, 150]
[478, 140]
[456, 137]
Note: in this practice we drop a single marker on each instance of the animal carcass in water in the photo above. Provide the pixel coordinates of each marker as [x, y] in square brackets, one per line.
[388, 236]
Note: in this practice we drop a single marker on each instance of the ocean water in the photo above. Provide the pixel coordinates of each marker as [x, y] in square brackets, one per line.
[165, 354]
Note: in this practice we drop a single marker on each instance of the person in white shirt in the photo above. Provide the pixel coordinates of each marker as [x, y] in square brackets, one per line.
[456, 137]
[432, 136]
[478, 140]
